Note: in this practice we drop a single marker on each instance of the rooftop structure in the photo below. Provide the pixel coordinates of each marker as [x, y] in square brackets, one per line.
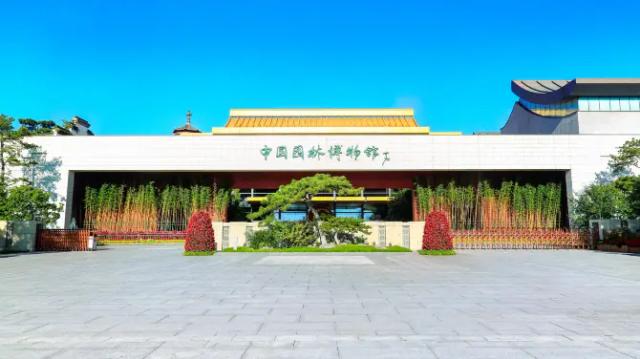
[554, 91]
[322, 118]
[579, 106]
[187, 128]
[321, 121]
[76, 127]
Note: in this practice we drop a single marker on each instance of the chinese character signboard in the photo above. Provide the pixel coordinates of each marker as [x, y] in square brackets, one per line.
[332, 153]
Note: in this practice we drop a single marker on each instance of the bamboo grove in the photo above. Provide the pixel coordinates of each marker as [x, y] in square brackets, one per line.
[122, 208]
[511, 206]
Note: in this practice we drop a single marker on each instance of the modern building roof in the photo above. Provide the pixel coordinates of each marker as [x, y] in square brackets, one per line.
[260, 118]
[554, 91]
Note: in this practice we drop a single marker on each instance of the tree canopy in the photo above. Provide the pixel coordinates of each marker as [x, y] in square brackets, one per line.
[26, 203]
[19, 200]
[630, 187]
[302, 191]
[600, 201]
[12, 147]
[627, 158]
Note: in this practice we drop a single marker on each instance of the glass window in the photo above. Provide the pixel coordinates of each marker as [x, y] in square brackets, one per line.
[624, 104]
[369, 212]
[614, 104]
[583, 105]
[349, 210]
[296, 212]
[594, 104]
[604, 105]
[293, 216]
[634, 104]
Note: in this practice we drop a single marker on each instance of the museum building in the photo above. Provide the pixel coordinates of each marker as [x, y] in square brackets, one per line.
[559, 133]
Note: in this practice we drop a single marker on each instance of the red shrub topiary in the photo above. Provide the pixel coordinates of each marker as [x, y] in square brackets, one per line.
[437, 232]
[200, 237]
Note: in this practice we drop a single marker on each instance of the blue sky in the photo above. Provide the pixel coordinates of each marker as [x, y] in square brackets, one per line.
[135, 67]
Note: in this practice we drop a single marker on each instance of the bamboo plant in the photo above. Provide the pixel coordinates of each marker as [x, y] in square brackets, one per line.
[117, 208]
[511, 206]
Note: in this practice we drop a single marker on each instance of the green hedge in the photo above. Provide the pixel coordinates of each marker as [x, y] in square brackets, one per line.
[340, 248]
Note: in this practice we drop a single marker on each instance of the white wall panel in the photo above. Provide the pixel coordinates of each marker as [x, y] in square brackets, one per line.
[583, 155]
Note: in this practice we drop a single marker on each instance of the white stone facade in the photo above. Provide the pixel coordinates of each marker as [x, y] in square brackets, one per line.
[581, 156]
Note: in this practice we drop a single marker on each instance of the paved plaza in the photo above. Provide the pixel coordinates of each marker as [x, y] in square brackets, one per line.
[152, 302]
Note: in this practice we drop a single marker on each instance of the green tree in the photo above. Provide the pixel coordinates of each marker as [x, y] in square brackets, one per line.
[600, 201]
[26, 203]
[23, 202]
[302, 191]
[626, 161]
[627, 158]
[630, 186]
[12, 145]
[36, 127]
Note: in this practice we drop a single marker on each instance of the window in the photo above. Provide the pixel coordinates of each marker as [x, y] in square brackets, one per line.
[614, 104]
[583, 104]
[594, 104]
[369, 212]
[560, 109]
[634, 104]
[295, 212]
[349, 210]
[624, 104]
[609, 104]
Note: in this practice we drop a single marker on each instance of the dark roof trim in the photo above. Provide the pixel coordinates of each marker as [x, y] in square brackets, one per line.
[187, 128]
[80, 121]
[554, 91]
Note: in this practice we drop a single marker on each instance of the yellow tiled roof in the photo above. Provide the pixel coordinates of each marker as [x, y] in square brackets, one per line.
[322, 118]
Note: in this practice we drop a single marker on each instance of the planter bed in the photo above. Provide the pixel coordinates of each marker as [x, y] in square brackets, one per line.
[336, 249]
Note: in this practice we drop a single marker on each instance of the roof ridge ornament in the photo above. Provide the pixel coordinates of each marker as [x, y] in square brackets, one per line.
[187, 128]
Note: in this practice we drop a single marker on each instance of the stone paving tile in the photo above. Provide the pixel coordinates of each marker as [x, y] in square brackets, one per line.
[141, 302]
[318, 352]
[458, 351]
[384, 349]
[576, 352]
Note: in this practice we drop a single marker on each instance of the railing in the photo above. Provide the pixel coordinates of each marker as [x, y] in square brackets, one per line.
[142, 236]
[520, 239]
[62, 240]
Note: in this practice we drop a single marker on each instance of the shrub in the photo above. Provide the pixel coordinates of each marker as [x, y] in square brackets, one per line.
[339, 248]
[200, 236]
[293, 234]
[263, 238]
[437, 232]
[283, 235]
[345, 230]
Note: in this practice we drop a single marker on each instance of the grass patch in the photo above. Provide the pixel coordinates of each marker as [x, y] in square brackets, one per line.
[437, 252]
[125, 242]
[336, 249]
[199, 253]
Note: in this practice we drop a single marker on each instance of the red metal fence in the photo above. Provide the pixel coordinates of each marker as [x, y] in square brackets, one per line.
[62, 240]
[520, 239]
